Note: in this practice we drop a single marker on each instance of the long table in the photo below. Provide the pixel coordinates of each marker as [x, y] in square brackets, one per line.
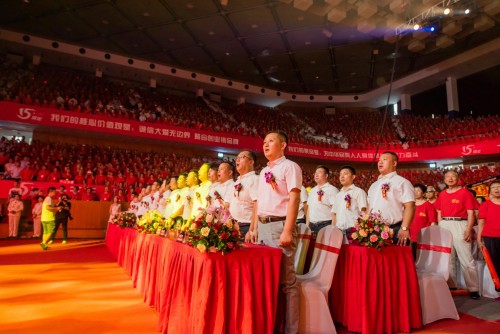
[376, 291]
[199, 292]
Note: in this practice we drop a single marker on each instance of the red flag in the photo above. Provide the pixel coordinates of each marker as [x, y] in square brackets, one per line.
[493, 273]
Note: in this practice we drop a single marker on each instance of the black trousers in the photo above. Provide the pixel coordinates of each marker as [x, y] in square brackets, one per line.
[64, 223]
[492, 244]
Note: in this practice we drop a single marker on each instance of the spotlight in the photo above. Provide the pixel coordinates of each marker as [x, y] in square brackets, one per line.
[416, 26]
[433, 29]
[447, 11]
[467, 11]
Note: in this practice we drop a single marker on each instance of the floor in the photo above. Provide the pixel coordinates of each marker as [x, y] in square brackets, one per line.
[78, 287]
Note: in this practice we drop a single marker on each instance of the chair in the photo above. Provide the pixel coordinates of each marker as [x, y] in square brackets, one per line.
[304, 237]
[315, 316]
[433, 259]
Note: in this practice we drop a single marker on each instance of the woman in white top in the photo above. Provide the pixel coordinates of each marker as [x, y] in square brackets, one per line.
[114, 209]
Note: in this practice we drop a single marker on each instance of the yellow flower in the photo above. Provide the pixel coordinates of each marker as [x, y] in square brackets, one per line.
[229, 223]
[363, 233]
[202, 248]
[205, 231]
[193, 226]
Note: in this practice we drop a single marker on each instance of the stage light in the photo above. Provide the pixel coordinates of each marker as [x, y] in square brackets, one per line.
[433, 29]
[416, 27]
[467, 11]
[220, 155]
[447, 11]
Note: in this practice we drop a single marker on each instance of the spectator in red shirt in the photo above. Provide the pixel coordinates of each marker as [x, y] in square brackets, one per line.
[119, 178]
[106, 196]
[75, 194]
[27, 174]
[100, 178]
[456, 207]
[488, 233]
[425, 215]
[43, 174]
[88, 195]
[55, 176]
[131, 179]
[66, 174]
[110, 178]
[89, 178]
[79, 178]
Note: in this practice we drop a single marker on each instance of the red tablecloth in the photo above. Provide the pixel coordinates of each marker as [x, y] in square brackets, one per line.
[376, 292]
[198, 292]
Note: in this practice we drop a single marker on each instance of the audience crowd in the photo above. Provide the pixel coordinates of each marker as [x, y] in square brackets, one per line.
[125, 172]
[74, 91]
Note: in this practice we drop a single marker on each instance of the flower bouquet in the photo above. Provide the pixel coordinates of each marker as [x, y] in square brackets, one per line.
[214, 230]
[125, 219]
[371, 230]
[151, 222]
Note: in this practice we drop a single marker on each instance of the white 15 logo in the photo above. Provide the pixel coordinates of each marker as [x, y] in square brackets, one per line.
[24, 113]
[467, 150]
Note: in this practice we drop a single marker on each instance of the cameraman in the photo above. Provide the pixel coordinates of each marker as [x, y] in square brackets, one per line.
[63, 213]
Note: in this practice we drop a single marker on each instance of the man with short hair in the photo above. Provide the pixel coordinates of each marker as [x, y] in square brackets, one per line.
[349, 202]
[455, 207]
[277, 207]
[212, 177]
[224, 190]
[394, 197]
[192, 183]
[320, 201]
[431, 194]
[48, 217]
[244, 195]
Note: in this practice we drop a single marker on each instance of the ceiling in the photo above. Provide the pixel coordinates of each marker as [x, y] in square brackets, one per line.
[321, 47]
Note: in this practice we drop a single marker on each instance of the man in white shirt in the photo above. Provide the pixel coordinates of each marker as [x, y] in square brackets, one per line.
[224, 190]
[394, 197]
[301, 216]
[320, 200]
[349, 202]
[244, 196]
[214, 182]
[155, 195]
[192, 183]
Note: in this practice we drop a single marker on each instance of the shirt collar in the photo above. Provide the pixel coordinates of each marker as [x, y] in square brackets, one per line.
[348, 188]
[271, 164]
[387, 176]
[246, 175]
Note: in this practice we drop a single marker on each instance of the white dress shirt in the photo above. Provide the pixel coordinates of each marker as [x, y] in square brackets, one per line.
[391, 207]
[320, 210]
[242, 203]
[347, 217]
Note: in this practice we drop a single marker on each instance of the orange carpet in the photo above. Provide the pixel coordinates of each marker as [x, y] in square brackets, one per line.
[78, 288]
[74, 288]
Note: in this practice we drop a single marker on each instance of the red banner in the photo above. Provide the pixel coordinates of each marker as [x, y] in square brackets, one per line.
[69, 119]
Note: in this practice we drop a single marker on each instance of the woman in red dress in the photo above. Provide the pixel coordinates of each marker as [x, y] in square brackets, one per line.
[488, 232]
[425, 215]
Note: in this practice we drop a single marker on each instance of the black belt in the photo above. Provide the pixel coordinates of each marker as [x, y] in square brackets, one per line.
[454, 218]
[271, 219]
[320, 222]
